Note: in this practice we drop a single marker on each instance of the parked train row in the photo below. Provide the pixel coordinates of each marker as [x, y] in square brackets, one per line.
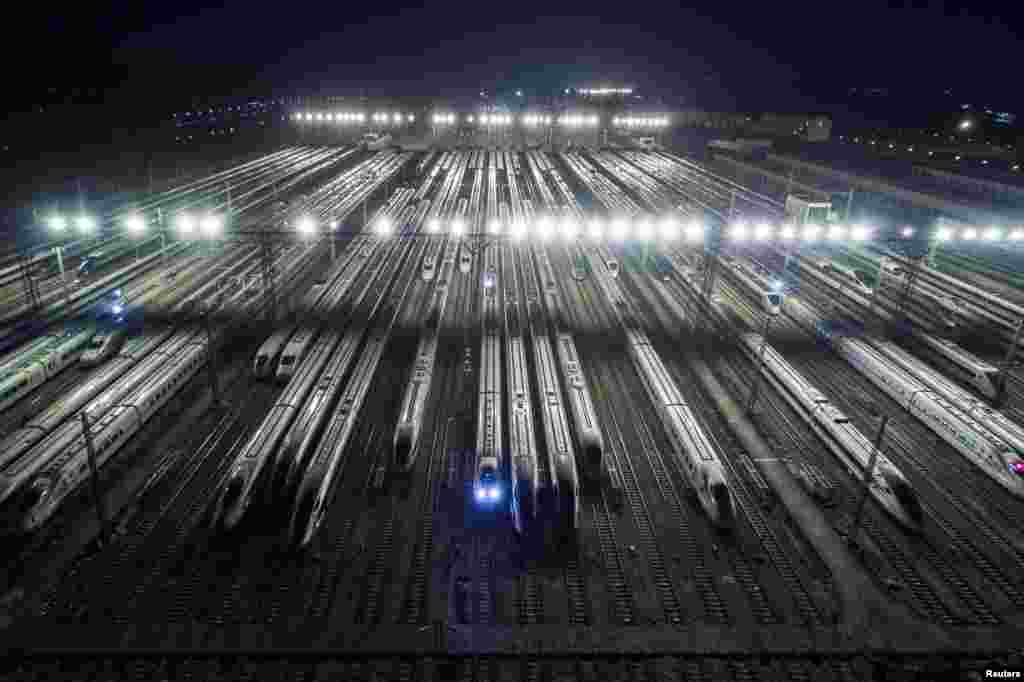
[41, 476]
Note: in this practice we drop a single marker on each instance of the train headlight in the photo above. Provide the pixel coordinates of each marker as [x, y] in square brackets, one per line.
[117, 309]
[481, 494]
[493, 494]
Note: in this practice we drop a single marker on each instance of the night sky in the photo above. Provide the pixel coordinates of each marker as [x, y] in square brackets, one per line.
[747, 55]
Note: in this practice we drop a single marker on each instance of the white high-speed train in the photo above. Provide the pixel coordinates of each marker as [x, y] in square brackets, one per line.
[997, 458]
[852, 448]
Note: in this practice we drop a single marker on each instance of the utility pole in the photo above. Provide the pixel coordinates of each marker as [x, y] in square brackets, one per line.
[1010, 352]
[755, 390]
[267, 261]
[868, 473]
[211, 360]
[59, 250]
[90, 450]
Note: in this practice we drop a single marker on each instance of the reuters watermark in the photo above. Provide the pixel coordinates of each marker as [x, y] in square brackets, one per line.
[1002, 674]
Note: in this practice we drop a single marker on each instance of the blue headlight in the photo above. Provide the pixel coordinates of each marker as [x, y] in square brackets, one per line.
[117, 309]
[481, 494]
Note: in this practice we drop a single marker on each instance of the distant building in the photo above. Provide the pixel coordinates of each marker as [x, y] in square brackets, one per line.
[809, 127]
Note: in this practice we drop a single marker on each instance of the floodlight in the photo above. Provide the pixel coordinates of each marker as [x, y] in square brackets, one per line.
[860, 233]
[944, 234]
[544, 228]
[643, 229]
[787, 232]
[382, 226]
[739, 231]
[763, 231]
[58, 223]
[135, 224]
[694, 231]
[1017, 235]
[835, 232]
[334, 224]
[993, 233]
[569, 228]
[518, 230]
[669, 228]
[970, 233]
[433, 226]
[85, 223]
[620, 229]
[185, 223]
[458, 227]
[907, 231]
[211, 224]
[811, 232]
[595, 230]
[494, 227]
[305, 225]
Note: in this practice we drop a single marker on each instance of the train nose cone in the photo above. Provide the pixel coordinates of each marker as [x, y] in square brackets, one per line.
[723, 505]
[592, 458]
[403, 448]
[232, 505]
[17, 513]
[301, 528]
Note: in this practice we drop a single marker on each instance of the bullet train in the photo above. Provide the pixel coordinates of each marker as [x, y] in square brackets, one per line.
[41, 365]
[488, 486]
[694, 451]
[697, 455]
[994, 456]
[300, 441]
[992, 420]
[293, 353]
[265, 363]
[971, 370]
[103, 346]
[414, 405]
[557, 438]
[848, 276]
[851, 447]
[589, 437]
[524, 479]
[320, 479]
[68, 465]
[252, 461]
[418, 388]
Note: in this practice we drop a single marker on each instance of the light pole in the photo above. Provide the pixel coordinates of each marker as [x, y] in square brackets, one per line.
[773, 306]
[1010, 352]
[90, 452]
[868, 473]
